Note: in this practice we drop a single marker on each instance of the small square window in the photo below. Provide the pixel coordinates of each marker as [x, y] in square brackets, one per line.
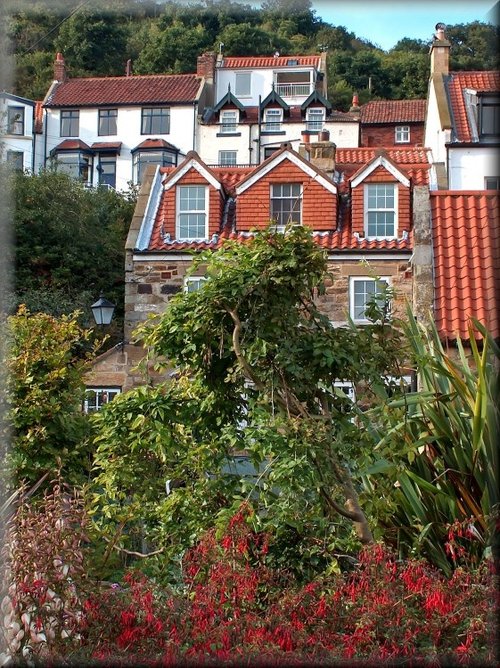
[315, 117]
[242, 87]
[227, 158]
[272, 120]
[155, 121]
[107, 121]
[193, 283]
[229, 121]
[70, 122]
[97, 397]
[362, 292]
[402, 134]
[16, 160]
[492, 182]
[15, 120]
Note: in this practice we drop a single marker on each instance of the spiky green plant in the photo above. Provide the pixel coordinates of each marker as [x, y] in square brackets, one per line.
[441, 447]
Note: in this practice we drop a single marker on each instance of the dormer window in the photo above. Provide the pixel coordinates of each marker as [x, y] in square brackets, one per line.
[489, 117]
[293, 84]
[192, 212]
[380, 210]
[315, 118]
[229, 121]
[402, 134]
[286, 204]
[272, 120]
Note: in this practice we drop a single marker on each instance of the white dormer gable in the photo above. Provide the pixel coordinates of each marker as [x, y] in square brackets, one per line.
[192, 163]
[380, 161]
[274, 161]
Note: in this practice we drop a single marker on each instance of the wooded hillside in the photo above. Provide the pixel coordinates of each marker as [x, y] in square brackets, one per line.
[167, 37]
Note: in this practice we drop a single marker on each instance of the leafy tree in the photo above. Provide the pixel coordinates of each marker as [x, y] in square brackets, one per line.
[410, 45]
[44, 391]
[69, 242]
[93, 43]
[244, 39]
[252, 349]
[407, 73]
[171, 50]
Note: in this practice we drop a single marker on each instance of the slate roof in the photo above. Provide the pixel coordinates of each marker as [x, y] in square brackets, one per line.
[457, 83]
[466, 241]
[270, 61]
[393, 111]
[296, 115]
[131, 90]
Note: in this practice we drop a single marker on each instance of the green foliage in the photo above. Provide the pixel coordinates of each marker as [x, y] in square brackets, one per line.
[168, 37]
[441, 446]
[45, 366]
[251, 350]
[69, 242]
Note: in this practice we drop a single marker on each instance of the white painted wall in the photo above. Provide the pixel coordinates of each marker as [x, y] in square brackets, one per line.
[468, 167]
[261, 84]
[13, 142]
[435, 136]
[182, 129]
[344, 135]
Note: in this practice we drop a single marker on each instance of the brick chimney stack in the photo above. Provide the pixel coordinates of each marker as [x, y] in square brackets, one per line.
[440, 52]
[321, 154]
[59, 68]
[205, 66]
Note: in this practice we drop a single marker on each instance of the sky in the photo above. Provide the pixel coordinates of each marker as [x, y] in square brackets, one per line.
[386, 22]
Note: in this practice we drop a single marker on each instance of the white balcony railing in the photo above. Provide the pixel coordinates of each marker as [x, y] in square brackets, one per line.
[294, 90]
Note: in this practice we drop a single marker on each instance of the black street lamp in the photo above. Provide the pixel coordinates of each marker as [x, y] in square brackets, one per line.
[103, 311]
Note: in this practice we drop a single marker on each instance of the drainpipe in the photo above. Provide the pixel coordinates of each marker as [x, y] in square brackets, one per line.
[33, 144]
[45, 137]
[258, 132]
[195, 108]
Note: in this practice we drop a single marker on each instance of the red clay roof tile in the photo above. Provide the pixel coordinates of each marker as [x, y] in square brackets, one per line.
[270, 61]
[132, 90]
[393, 111]
[480, 82]
[466, 240]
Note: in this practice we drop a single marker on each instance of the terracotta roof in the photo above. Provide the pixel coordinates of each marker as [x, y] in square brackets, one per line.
[132, 90]
[39, 116]
[393, 111]
[72, 145]
[413, 161]
[106, 146]
[155, 143]
[330, 241]
[270, 61]
[480, 82]
[466, 240]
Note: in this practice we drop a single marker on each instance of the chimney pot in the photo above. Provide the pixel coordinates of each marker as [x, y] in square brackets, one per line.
[128, 68]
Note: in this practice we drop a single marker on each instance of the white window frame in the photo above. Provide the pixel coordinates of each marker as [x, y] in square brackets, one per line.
[402, 134]
[276, 195]
[15, 120]
[273, 118]
[194, 211]
[101, 393]
[194, 283]
[229, 119]
[353, 306]
[371, 187]
[228, 158]
[315, 119]
[243, 84]
[407, 380]
[16, 160]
